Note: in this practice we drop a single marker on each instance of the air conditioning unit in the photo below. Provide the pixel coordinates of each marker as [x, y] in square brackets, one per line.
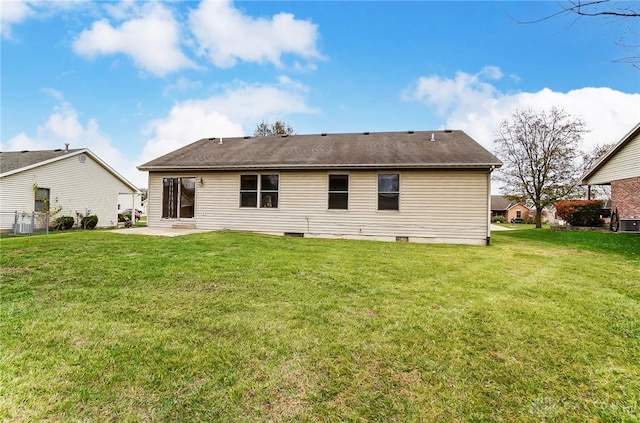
[22, 228]
[629, 225]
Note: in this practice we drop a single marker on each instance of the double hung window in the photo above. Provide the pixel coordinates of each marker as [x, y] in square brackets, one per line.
[388, 191]
[178, 198]
[42, 200]
[338, 192]
[259, 190]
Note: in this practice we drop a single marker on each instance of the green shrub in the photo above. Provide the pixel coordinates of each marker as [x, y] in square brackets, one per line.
[89, 222]
[64, 223]
[123, 217]
[498, 219]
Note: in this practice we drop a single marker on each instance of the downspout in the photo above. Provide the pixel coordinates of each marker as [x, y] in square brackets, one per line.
[489, 205]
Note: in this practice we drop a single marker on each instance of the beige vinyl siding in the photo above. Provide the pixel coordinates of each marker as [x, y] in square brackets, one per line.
[622, 165]
[16, 194]
[73, 185]
[435, 206]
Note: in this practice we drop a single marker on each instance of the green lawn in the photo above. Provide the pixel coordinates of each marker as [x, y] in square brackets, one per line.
[97, 326]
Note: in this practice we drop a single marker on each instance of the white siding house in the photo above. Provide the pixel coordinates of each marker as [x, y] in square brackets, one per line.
[74, 181]
[381, 186]
[620, 168]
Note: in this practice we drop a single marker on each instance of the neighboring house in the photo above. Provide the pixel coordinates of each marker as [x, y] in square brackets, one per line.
[406, 186]
[620, 168]
[548, 214]
[510, 210]
[75, 181]
[129, 201]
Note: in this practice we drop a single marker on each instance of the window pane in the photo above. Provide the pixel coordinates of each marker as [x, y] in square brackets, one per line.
[187, 197]
[338, 200]
[169, 198]
[388, 191]
[269, 199]
[248, 199]
[338, 182]
[388, 201]
[269, 182]
[249, 182]
[42, 199]
[388, 183]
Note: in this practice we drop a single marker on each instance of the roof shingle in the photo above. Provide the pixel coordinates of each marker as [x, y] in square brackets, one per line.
[12, 160]
[451, 149]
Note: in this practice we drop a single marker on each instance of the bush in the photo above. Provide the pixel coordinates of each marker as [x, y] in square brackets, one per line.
[123, 217]
[580, 212]
[89, 222]
[498, 219]
[64, 223]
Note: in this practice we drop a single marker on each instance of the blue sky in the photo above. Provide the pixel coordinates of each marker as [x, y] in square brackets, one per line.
[134, 80]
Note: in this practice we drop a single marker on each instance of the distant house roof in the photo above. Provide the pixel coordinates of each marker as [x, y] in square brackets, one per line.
[12, 162]
[611, 153]
[449, 149]
[499, 202]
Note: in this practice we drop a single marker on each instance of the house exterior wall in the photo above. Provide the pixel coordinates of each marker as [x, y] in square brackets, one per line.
[624, 164]
[74, 186]
[512, 213]
[625, 196]
[439, 206]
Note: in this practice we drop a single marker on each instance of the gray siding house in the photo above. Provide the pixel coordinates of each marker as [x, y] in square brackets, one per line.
[73, 180]
[431, 187]
[620, 168]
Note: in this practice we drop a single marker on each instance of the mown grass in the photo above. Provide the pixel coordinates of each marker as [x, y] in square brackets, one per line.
[99, 326]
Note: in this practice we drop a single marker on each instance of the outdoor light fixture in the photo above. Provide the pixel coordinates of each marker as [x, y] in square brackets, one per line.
[201, 181]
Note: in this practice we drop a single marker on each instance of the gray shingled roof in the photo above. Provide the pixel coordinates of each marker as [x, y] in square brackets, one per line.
[499, 202]
[451, 149]
[12, 160]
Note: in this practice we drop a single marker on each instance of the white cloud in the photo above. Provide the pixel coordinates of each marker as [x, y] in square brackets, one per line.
[152, 40]
[446, 94]
[226, 35]
[470, 103]
[13, 12]
[56, 94]
[64, 126]
[233, 113]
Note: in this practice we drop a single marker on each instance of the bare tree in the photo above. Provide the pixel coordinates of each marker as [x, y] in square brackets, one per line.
[620, 9]
[539, 151]
[265, 129]
[608, 9]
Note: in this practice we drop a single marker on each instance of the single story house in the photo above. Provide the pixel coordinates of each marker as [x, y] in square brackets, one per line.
[510, 210]
[72, 182]
[620, 168]
[430, 187]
